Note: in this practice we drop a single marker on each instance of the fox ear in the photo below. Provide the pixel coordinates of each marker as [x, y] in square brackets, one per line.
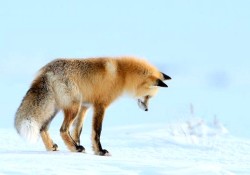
[166, 77]
[160, 83]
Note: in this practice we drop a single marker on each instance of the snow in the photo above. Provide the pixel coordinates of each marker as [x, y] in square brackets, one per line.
[202, 45]
[186, 147]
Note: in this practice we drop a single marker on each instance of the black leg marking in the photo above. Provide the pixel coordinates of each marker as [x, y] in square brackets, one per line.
[79, 147]
[55, 147]
[96, 130]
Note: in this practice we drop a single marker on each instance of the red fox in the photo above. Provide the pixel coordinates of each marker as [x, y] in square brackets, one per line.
[73, 85]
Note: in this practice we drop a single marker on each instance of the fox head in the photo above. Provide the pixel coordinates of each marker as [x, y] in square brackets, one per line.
[149, 87]
[142, 79]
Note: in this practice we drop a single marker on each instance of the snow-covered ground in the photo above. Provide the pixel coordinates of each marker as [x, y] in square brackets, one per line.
[185, 147]
[202, 45]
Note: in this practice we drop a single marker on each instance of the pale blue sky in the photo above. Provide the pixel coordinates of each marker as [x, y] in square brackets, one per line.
[202, 45]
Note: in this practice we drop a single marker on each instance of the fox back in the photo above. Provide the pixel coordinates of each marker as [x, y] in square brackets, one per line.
[73, 85]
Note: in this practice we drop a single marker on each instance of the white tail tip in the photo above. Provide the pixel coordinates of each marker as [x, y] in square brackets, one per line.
[29, 130]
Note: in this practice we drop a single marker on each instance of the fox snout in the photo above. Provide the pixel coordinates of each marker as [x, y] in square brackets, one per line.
[143, 103]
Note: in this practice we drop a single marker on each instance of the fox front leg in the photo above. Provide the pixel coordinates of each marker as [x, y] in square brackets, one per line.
[96, 131]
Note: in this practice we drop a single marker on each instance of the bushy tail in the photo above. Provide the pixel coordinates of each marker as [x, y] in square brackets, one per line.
[28, 129]
[26, 122]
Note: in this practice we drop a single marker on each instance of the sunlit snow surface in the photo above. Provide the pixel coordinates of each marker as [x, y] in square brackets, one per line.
[187, 147]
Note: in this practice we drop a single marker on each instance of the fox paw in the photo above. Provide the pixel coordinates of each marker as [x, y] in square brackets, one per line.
[80, 148]
[103, 152]
[55, 147]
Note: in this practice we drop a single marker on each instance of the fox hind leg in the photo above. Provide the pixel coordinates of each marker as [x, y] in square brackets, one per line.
[48, 142]
[78, 122]
[69, 116]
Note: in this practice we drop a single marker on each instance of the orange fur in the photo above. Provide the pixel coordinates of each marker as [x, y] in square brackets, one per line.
[72, 85]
